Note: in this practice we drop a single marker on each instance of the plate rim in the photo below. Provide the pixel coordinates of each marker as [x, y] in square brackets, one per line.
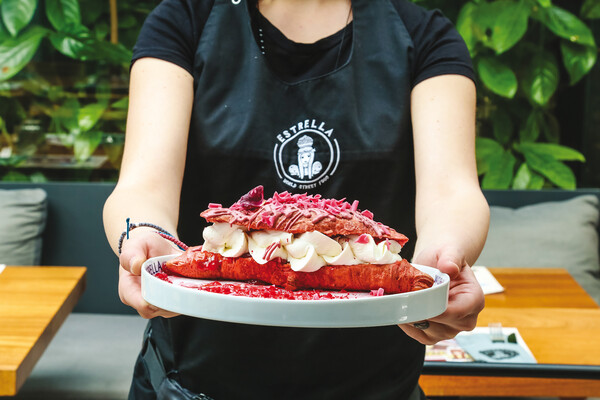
[293, 305]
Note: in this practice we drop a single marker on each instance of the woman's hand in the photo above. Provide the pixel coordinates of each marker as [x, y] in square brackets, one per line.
[142, 245]
[465, 297]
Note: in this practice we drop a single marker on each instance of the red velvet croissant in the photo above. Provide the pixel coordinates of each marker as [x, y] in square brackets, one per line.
[298, 214]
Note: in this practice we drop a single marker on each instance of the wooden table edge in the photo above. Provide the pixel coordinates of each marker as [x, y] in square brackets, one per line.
[53, 326]
[445, 385]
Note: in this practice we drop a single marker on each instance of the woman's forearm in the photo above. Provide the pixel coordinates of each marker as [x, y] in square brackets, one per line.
[458, 219]
[451, 211]
[149, 186]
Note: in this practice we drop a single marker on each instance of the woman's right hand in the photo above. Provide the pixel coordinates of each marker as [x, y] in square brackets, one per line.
[142, 244]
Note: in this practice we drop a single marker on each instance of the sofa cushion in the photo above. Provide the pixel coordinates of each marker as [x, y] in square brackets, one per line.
[552, 234]
[91, 357]
[22, 221]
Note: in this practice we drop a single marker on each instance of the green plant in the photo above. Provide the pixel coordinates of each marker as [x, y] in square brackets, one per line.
[66, 70]
[21, 34]
[524, 53]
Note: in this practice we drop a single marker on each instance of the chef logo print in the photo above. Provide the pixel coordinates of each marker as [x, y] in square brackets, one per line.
[306, 155]
[307, 167]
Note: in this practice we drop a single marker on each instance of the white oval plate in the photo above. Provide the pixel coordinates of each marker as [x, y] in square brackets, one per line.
[362, 311]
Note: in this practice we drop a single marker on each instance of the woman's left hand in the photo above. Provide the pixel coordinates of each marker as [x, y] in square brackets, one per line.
[465, 297]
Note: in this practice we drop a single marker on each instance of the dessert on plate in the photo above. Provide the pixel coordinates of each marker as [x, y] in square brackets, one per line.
[300, 241]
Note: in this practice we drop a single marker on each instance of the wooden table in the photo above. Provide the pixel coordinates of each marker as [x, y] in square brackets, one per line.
[560, 324]
[34, 302]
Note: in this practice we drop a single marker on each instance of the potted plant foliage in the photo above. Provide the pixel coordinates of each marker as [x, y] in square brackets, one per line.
[525, 52]
[63, 79]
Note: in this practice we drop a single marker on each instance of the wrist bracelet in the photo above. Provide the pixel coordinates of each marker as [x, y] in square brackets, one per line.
[162, 232]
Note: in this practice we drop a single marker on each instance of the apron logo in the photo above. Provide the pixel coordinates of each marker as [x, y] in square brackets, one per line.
[306, 155]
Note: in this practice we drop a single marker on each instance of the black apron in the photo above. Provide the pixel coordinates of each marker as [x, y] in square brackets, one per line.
[344, 134]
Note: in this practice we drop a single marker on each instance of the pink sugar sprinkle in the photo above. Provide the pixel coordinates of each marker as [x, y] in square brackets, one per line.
[363, 239]
[378, 292]
[268, 219]
[354, 206]
[332, 209]
[367, 214]
[214, 205]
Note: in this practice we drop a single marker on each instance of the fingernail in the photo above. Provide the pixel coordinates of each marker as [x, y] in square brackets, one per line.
[136, 264]
[456, 265]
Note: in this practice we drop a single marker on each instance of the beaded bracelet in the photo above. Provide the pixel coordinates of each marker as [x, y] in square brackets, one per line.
[162, 232]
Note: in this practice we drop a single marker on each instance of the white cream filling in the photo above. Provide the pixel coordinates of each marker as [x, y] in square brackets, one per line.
[346, 257]
[311, 262]
[227, 240]
[306, 252]
[260, 245]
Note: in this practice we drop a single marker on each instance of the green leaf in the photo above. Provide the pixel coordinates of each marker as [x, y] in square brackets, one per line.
[121, 104]
[101, 50]
[551, 127]
[66, 116]
[66, 44]
[522, 178]
[567, 26]
[61, 13]
[72, 42]
[555, 171]
[545, 3]
[94, 10]
[540, 78]
[556, 151]
[578, 59]
[484, 150]
[127, 21]
[12, 161]
[532, 128]
[464, 25]
[590, 9]
[38, 177]
[497, 77]
[502, 126]
[4, 34]
[15, 53]
[537, 182]
[16, 14]
[85, 144]
[500, 173]
[101, 30]
[501, 24]
[89, 115]
[525, 178]
[14, 176]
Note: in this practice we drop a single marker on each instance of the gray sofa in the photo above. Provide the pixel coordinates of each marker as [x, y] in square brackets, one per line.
[92, 355]
[547, 228]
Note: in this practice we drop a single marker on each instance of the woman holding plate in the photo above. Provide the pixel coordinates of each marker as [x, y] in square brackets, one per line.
[367, 100]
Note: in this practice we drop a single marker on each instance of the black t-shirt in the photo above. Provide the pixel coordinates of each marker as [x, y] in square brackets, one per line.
[172, 31]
